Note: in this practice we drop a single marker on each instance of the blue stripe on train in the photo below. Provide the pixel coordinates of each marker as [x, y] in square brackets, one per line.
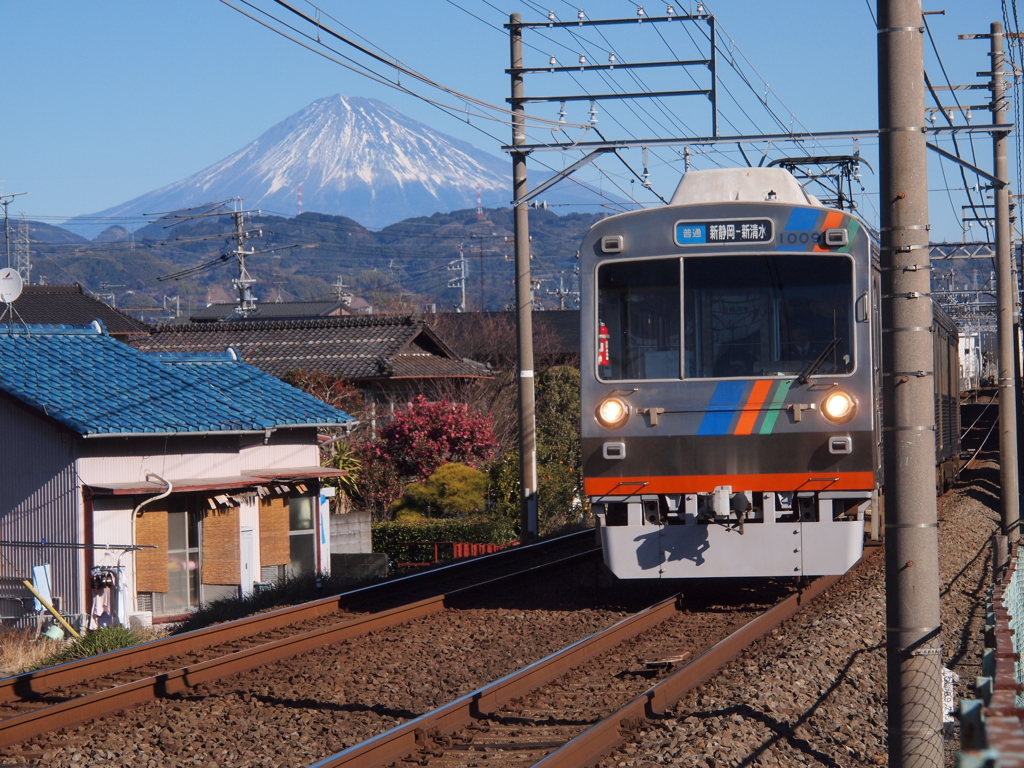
[800, 220]
[725, 401]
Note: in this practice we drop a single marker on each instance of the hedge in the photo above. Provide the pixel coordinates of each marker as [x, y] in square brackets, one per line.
[394, 538]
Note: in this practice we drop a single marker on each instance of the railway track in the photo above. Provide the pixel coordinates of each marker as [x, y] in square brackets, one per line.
[981, 415]
[358, 690]
[56, 697]
[572, 707]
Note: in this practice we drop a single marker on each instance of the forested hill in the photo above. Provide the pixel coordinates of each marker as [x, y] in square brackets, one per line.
[407, 265]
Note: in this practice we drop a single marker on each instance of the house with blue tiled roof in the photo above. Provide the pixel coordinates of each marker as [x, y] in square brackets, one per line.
[152, 482]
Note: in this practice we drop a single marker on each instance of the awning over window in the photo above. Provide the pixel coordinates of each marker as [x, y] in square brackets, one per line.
[251, 479]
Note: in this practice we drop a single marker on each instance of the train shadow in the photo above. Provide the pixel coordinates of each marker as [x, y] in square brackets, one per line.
[591, 586]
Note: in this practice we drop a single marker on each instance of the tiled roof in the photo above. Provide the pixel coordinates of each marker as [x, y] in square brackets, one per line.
[423, 366]
[492, 335]
[271, 310]
[69, 304]
[96, 385]
[358, 348]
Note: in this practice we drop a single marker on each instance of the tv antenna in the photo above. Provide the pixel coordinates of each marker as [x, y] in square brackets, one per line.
[11, 286]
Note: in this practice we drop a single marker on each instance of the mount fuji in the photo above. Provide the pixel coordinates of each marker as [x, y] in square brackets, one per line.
[341, 155]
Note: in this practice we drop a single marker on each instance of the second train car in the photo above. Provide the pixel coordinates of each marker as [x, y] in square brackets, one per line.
[730, 382]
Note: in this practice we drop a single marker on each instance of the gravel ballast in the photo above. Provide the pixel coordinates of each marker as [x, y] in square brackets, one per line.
[813, 692]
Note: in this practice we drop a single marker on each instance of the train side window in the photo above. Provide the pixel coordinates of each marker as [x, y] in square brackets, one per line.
[638, 320]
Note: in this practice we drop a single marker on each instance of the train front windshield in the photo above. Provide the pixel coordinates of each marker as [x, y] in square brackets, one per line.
[738, 316]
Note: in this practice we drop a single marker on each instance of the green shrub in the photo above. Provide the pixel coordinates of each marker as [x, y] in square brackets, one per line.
[399, 540]
[452, 490]
[112, 638]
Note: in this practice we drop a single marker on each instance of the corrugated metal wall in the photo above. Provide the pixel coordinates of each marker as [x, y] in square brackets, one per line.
[40, 498]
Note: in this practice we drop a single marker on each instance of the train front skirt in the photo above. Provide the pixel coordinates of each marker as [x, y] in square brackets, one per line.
[819, 548]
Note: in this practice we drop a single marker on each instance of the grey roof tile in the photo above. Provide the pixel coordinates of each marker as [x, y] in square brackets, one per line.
[357, 348]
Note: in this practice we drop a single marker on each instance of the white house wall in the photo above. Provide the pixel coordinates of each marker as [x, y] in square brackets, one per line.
[285, 448]
[127, 459]
[40, 499]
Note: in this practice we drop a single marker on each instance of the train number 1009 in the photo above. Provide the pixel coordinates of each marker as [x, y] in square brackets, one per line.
[799, 238]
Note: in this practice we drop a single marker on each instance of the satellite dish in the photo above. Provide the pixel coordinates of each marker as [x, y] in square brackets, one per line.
[10, 285]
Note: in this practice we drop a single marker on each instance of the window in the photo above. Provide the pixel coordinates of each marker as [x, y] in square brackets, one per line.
[638, 311]
[740, 316]
[301, 535]
[182, 556]
[767, 315]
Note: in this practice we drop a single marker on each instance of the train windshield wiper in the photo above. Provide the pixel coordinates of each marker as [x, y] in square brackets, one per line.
[814, 366]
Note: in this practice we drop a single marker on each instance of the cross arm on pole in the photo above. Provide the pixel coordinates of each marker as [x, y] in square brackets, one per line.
[585, 160]
[950, 156]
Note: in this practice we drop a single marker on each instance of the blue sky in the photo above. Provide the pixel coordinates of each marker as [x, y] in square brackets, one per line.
[107, 101]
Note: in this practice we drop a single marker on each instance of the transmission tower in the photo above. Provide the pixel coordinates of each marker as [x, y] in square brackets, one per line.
[22, 251]
[459, 279]
[244, 282]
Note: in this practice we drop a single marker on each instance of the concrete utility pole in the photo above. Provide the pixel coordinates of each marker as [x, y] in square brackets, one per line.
[524, 299]
[1006, 290]
[5, 200]
[913, 638]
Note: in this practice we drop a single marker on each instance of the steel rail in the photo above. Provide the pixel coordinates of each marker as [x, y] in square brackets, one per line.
[16, 729]
[967, 464]
[101, 703]
[32, 685]
[600, 739]
[406, 739]
[975, 422]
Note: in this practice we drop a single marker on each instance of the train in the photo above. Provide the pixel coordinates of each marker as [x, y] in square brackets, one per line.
[730, 382]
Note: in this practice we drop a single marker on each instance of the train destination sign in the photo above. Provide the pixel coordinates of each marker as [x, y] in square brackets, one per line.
[724, 232]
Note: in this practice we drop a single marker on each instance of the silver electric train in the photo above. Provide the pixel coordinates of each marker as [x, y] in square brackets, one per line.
[730, 382]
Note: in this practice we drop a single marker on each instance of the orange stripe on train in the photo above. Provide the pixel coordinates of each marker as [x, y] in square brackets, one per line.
[833, 220]
[786, 481]
[752, 408]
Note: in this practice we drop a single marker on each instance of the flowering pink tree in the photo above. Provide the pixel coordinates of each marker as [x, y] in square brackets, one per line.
[417, 441]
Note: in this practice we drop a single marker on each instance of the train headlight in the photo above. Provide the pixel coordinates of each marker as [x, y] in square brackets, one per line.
[838, 406]
[612, 412]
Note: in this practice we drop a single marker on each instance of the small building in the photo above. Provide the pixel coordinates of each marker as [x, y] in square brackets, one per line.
[71, 305]
[274, 310]
[390, 358]
[152, 482]
[491, 336]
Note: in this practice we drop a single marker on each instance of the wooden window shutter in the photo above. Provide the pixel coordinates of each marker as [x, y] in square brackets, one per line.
[222, 550]
[151, 564]
[275, 547]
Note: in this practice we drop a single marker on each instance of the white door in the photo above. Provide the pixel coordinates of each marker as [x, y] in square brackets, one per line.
[247, 564]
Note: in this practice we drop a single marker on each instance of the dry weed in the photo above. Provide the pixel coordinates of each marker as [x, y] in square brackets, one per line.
[23, 649]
